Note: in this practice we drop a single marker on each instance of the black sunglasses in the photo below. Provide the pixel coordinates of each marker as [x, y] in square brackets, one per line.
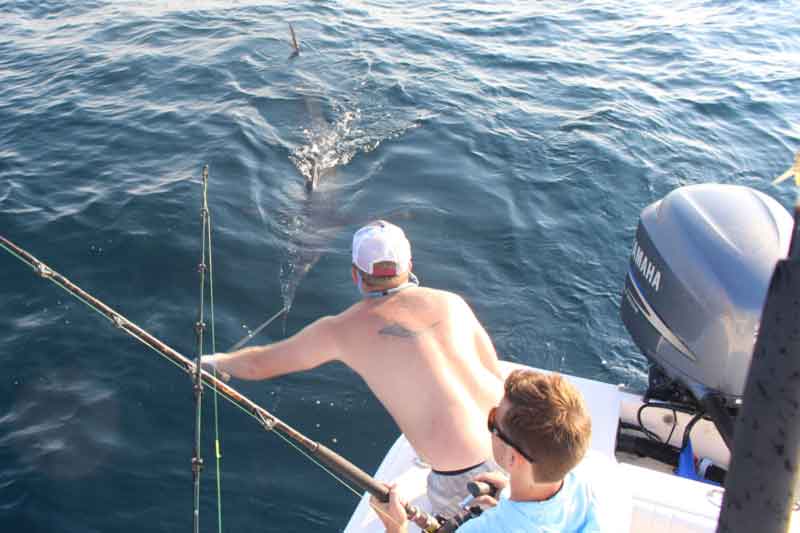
[491, 423]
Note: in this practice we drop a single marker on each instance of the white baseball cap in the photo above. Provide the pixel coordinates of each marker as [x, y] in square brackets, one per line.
[380, 242]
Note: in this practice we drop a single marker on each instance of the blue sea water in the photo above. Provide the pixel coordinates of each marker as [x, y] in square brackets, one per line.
[515, 142]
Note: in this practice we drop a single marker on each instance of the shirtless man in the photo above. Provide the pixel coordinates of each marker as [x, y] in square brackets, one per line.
[421, 351]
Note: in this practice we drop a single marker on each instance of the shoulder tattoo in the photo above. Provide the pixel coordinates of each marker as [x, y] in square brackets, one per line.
[398, 330]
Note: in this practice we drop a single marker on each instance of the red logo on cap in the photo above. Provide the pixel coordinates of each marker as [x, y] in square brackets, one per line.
[384, 270]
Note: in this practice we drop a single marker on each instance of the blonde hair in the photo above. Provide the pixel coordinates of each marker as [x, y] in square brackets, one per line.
[548, 419]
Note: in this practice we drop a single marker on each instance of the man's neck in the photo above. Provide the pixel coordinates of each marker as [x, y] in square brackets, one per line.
[526, 490]
[384, 290]
[381, 288]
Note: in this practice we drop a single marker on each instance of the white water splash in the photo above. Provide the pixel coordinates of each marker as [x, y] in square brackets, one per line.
[327, 147]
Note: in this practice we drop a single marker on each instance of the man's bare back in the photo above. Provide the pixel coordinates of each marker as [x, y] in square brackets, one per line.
[428, 360]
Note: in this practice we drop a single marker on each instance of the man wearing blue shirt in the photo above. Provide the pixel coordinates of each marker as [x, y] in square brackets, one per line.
[540, 432]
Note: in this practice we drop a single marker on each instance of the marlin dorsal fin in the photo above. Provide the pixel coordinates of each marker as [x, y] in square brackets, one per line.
[294, 44]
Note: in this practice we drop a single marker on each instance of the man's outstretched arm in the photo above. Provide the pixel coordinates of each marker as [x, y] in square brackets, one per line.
[314, 345]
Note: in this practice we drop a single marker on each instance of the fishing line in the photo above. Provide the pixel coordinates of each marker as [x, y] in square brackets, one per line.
[256, 331]
[217, 446]
[310, 458]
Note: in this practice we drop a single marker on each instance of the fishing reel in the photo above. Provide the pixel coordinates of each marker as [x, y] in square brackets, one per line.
[475, 488]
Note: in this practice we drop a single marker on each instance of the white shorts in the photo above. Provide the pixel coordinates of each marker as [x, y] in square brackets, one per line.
[446, 490]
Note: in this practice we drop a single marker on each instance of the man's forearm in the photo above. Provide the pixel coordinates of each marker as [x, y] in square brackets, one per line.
[243, 364]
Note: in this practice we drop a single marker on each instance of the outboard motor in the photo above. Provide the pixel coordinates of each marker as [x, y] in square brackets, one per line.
[699, 271]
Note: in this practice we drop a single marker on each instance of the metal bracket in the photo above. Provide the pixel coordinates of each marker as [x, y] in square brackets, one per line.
[268, 423]
[43, 270]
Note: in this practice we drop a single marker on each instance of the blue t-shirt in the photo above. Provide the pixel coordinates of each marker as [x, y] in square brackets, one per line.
[572, 509]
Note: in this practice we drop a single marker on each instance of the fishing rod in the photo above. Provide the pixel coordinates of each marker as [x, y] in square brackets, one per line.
[197, 378]
[344, 468]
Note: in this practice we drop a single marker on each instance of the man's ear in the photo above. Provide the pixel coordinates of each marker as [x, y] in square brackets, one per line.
[354, 274]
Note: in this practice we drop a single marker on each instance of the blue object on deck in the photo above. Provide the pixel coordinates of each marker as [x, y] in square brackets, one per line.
[686, 467]
[686, 463]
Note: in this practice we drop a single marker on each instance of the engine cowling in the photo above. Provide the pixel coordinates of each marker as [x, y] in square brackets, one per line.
[699, 270]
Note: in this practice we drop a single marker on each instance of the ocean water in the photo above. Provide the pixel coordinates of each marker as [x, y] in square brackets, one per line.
[515, 142]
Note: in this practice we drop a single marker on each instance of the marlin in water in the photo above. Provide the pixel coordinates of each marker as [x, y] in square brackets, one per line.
[327, 146]
[313, 177]
[312, 181]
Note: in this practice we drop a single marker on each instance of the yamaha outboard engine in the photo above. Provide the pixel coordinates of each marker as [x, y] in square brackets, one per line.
[698, 276]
